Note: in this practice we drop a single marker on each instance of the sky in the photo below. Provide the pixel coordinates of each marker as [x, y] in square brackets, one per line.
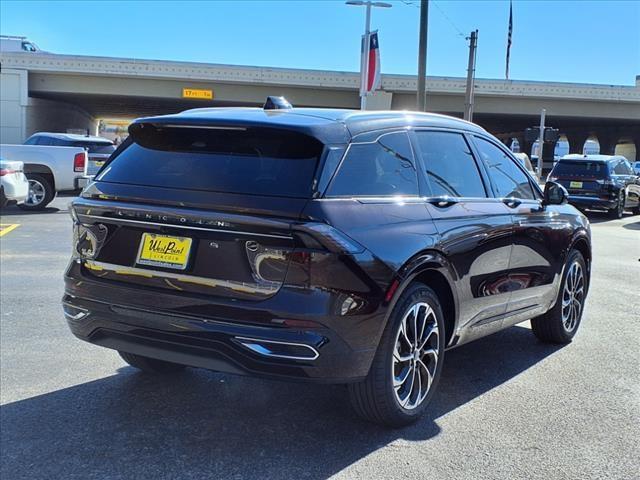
[564, 41]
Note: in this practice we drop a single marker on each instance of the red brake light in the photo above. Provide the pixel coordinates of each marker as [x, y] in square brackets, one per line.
[79, 161]
[7, 171]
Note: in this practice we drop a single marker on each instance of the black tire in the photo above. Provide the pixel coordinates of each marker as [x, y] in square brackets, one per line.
[3, 199]
[618, 210]
[150, 365]
[48, 192]
[375, 399]
[552, 327]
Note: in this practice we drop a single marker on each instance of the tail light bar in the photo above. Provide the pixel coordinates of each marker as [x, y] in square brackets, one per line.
[606, 181]
[79, 161]
[328, 237]
[8, 171]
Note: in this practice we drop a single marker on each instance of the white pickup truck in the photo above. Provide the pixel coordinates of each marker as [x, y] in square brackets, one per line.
[49, 170]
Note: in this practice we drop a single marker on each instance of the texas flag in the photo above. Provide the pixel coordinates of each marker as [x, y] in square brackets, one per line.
[371, 80]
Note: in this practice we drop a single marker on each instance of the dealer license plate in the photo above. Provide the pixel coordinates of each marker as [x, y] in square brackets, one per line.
[164, 251]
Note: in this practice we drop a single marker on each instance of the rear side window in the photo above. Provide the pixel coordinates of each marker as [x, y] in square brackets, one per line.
[508, 178]
[382, 168]
[449, 165]
[581, 169]
[248, 161]
[622, 168]
[40, 140]
[96, 147]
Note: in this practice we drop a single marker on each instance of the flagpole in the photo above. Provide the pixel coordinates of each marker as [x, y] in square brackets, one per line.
[509, 40]
[364, 62]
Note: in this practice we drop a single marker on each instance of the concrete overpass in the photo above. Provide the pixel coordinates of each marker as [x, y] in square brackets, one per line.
[60, 92]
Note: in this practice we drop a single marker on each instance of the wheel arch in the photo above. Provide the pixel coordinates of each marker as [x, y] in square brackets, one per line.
[41, 170]
[434, 270]
[582, 244]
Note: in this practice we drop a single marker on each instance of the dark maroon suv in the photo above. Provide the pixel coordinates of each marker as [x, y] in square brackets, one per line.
[324, 245]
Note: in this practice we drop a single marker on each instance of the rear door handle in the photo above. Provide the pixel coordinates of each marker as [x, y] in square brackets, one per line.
[442, 202]
[511, 202]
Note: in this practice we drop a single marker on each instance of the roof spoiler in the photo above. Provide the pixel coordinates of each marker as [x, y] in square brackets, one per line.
[277, 103]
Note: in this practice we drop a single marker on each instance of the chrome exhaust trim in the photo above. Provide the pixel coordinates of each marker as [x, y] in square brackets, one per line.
[261, 347]
[79, 313]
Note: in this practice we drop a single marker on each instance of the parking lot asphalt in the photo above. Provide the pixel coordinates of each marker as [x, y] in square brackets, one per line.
[507, 407]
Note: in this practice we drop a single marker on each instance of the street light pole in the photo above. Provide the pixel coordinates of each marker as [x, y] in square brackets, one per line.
[540, 164]
[471, 76]
[364, 63]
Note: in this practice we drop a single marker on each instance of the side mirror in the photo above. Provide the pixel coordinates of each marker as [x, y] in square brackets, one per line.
[555, 194]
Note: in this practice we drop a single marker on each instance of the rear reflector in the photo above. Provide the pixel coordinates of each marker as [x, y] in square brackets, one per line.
[392, 290]
[79, 161]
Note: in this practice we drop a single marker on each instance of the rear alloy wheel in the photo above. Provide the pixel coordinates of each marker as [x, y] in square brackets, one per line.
[407, 365]
[41, 193]
[618, 210]
[560, 324]
[150, 365]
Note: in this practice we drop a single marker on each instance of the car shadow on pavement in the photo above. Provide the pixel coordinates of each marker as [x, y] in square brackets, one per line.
[15, 210]
[602, 217]
[632, 226]
[200, 424]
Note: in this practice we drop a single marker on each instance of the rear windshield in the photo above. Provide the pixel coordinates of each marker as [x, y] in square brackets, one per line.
[251, 161]
[96, 147]
[585, 169]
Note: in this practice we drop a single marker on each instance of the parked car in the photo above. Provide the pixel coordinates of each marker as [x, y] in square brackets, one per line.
[320, 245]
[636, 168]
[98, 148]
[48, 170]
[13, 183]
[526, 163]
[10, 43]
[605, 182]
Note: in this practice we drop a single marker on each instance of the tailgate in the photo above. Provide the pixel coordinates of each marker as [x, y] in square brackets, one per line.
[580, 185]
[212, 253]
[95, 163]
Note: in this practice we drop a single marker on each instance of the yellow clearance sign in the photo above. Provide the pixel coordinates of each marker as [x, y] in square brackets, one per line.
[197, 93]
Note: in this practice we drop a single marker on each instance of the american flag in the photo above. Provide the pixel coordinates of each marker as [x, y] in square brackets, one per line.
[509, 38]
[372, 78]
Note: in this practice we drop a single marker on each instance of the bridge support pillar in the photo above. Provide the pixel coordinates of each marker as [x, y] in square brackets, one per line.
[577, 141]
[608, 142]
[636, 141]
[525, 147]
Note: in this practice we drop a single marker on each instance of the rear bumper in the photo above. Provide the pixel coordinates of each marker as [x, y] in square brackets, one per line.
[15, 187]
[220, 342]
[82, 182]
[585, 201]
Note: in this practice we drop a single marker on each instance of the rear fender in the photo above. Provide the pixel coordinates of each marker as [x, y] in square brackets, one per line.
[426, 261]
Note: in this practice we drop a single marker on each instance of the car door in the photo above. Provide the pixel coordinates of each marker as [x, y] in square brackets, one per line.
[539, 233]
[623, 174]
[634, 184]
[475, 229]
